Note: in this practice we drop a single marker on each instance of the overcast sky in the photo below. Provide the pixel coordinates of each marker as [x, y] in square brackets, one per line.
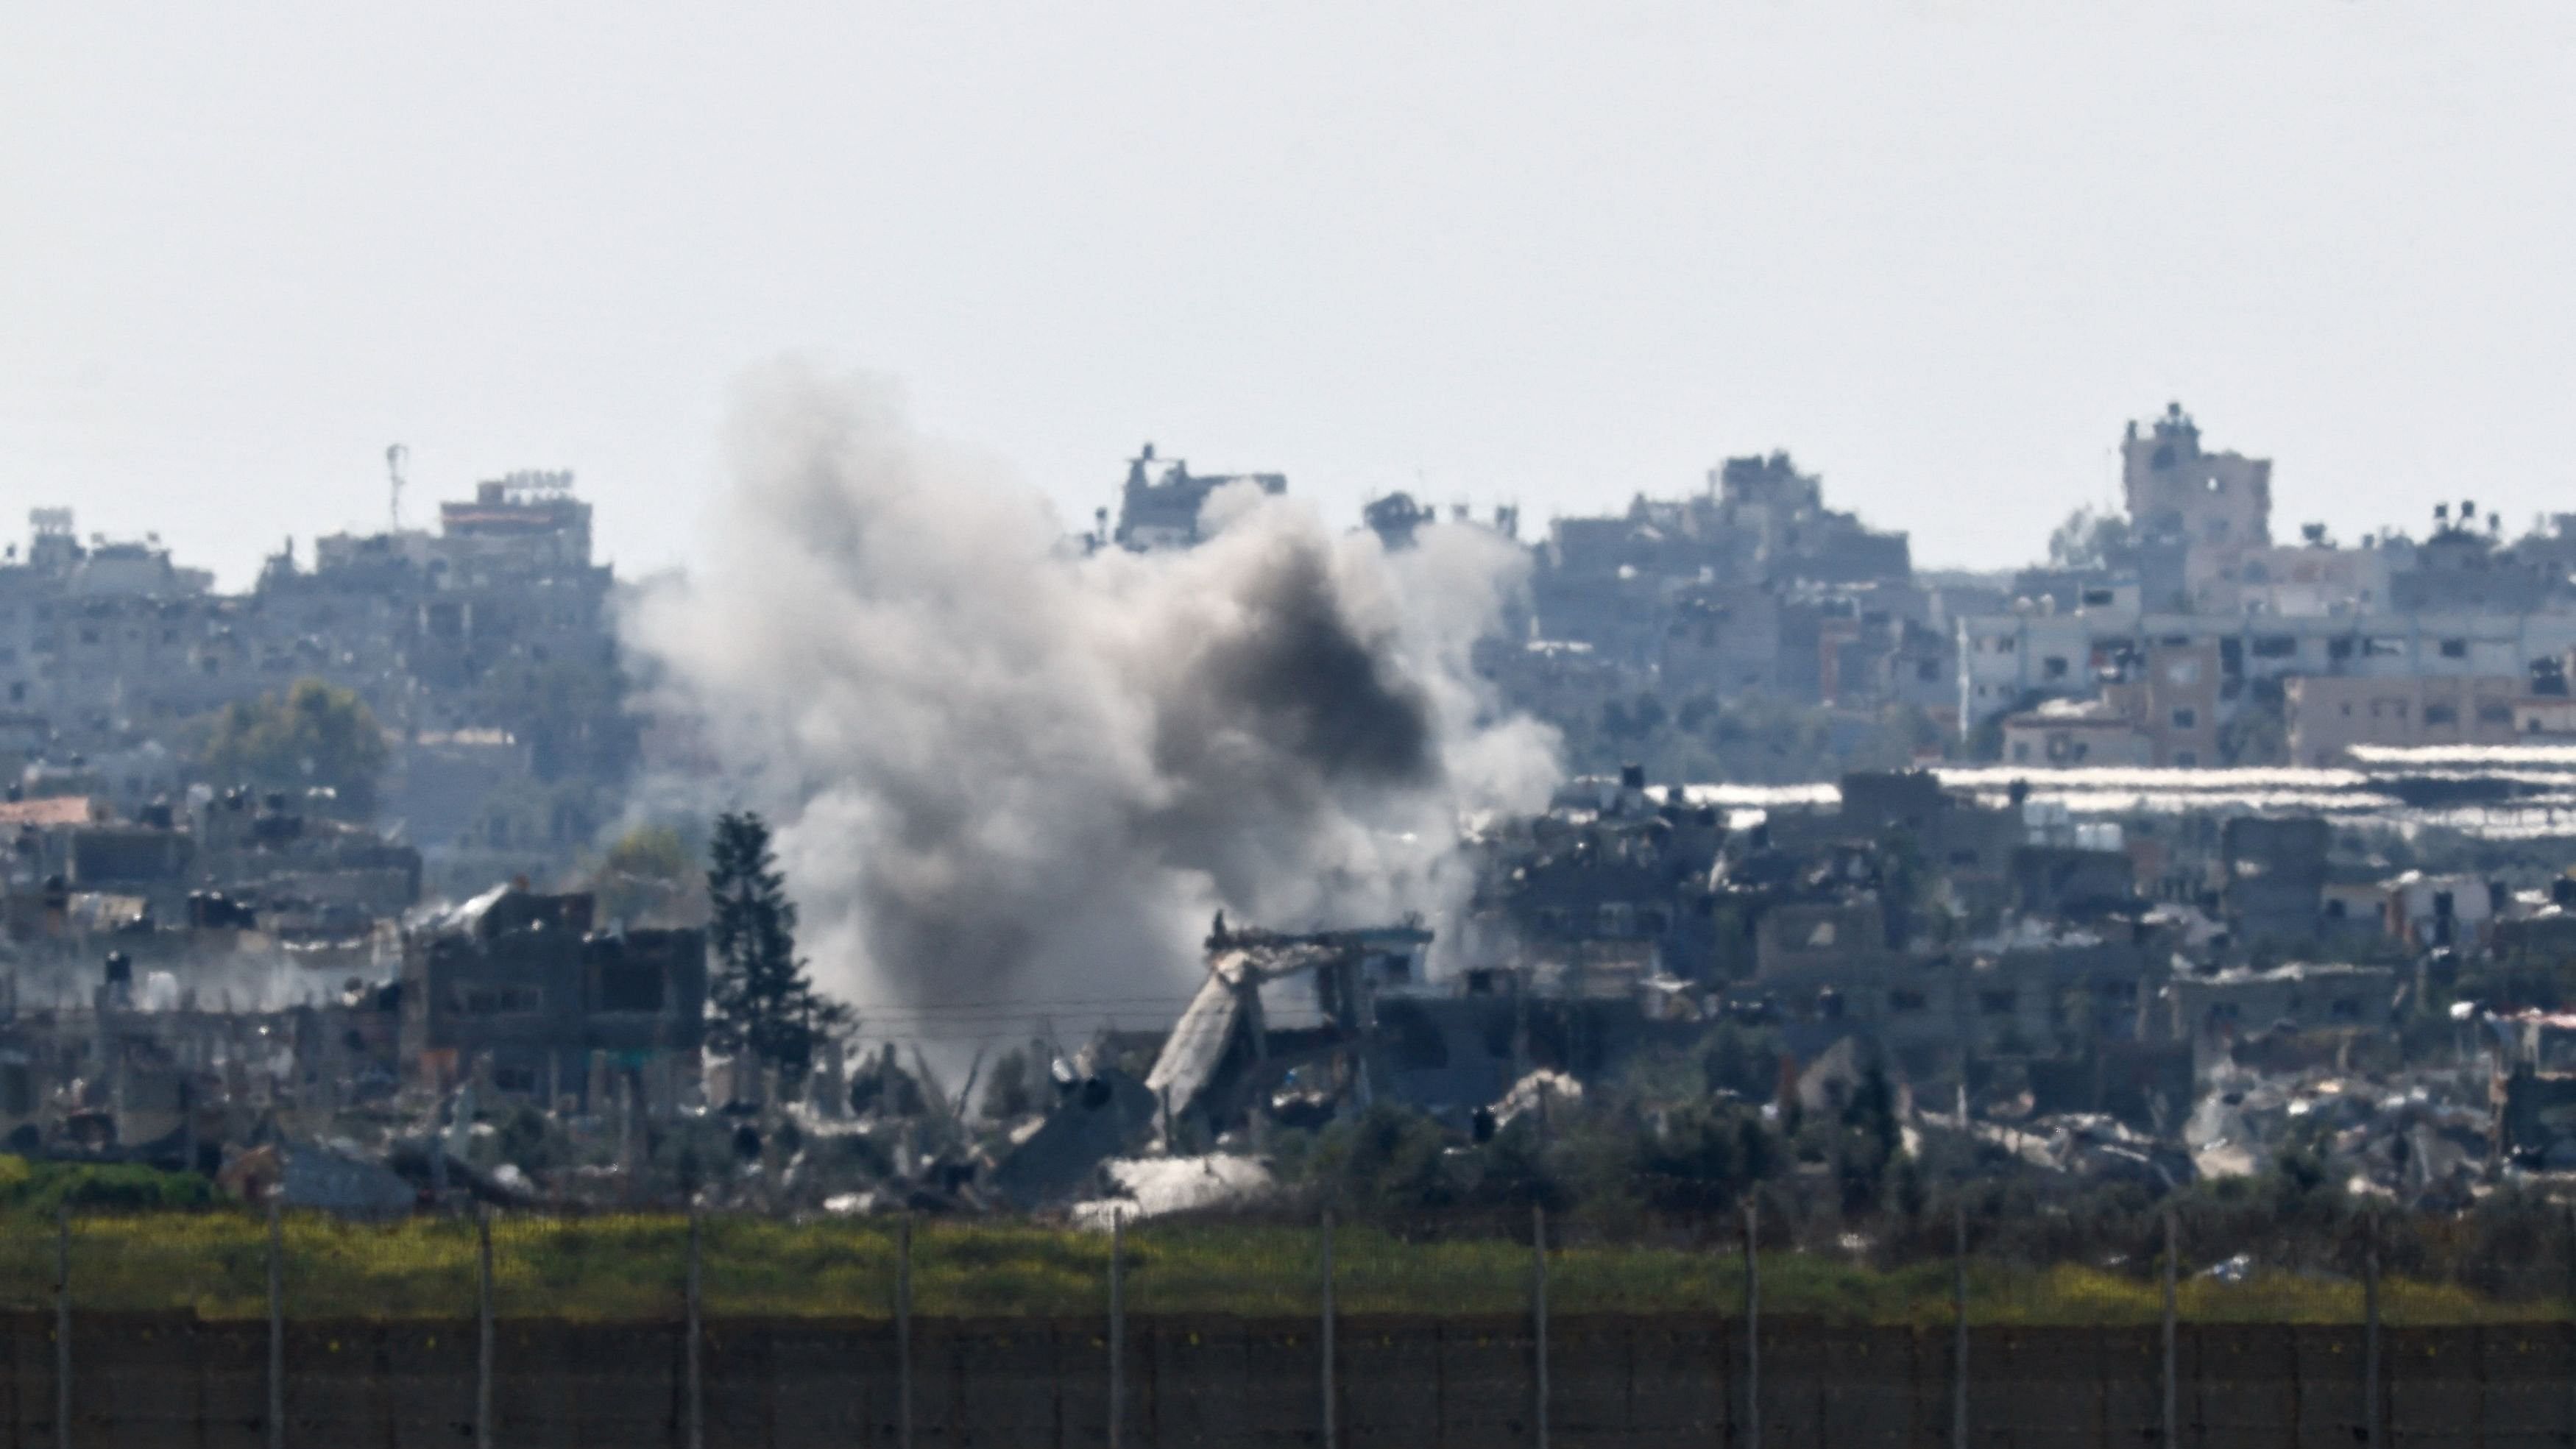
[1480, 251]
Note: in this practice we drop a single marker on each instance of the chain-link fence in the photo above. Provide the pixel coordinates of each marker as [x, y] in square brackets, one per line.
[1484, 1327]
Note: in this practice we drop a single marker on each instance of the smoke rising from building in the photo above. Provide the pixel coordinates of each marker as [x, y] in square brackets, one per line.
[1007, 771]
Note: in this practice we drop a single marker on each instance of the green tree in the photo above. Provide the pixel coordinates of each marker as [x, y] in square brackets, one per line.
[1387, 1162]
[2088, 539]
[1703, 1157]
[642, 873]
[652, 851]
[1516, 1169]
[762, 1003]
[315, 735]
[1739, 1059]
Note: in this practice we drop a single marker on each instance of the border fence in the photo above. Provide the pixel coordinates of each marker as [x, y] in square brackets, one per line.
[234, 1328]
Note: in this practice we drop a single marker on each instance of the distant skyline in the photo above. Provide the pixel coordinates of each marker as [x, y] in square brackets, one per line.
[1546, 255]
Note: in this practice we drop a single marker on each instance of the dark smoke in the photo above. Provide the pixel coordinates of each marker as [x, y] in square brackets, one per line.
[1299, 677]
[1006, 771]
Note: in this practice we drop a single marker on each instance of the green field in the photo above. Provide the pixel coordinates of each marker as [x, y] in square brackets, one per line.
[634, 1268]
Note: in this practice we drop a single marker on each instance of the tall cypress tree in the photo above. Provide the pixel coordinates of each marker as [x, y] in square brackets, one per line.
[763, 1004]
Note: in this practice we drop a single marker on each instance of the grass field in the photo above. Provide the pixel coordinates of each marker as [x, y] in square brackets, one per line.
[634, 1268]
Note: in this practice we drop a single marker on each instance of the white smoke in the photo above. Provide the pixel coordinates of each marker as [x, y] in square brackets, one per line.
[1004, 771]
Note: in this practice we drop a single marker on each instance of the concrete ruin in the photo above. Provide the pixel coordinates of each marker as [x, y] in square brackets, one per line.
[517, 989]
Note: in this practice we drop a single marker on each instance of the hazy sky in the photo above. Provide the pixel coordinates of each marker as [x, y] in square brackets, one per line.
[1549, 254]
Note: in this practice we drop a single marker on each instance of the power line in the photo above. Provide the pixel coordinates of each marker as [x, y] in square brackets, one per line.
[960, 1008]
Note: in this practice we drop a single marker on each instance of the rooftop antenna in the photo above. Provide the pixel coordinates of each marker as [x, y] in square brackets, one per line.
[395, 456]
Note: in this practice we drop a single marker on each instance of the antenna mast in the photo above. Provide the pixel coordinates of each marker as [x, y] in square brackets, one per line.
[395, 457]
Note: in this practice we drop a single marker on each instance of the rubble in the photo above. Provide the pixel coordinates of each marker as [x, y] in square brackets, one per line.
[1534, 1095]
[1096, 1117]
[2077, 1017]
[2075, 1146]
[336, 1178]
[1152, 1187]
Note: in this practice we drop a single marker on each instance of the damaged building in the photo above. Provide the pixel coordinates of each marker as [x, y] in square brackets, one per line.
[1160, 504]
[516, 990]
[1603, 894]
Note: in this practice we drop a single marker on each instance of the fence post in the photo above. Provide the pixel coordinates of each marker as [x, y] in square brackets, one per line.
[1959, 1350]
[276, 1327]
[63, 1327]
[903, 1330]
[2173, 1420]
[1330, 1415]
[696, 1386]
[2370, 1331]
[1538, 1308]
[1752, 1324]
[1117, 1326]
[483, 1326]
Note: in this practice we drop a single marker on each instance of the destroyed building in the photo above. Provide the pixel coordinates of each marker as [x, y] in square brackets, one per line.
[2040, 998]
[1601, 900]
[516, 990]
[140, 1068]
[2073, 882]
[2090, 927]
[1224, 1052]
[1297, 1028]
[2298, 997]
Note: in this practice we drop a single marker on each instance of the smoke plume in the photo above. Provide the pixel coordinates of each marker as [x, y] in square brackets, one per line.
[1007, 771]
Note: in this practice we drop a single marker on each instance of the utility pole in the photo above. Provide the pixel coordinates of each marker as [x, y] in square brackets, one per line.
[2172, 1414]
[1117, 1328]
[696, 1382]
[1959, 1348]
[1331, 1424]
[1752, 1325]
[482, 1327]
[903, 1330]
[276, 1328]
[1538, 1310]
[2370, 1333]
[63, 1326]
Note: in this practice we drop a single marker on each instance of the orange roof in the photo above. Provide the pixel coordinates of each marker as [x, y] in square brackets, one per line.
[48, 811]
